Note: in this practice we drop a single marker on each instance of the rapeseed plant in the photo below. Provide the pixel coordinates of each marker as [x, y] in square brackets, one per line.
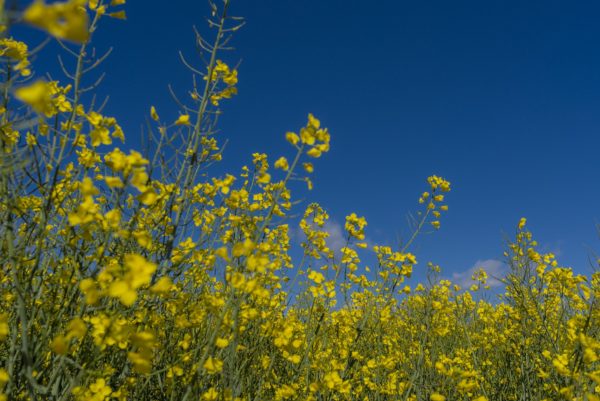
[129, 276]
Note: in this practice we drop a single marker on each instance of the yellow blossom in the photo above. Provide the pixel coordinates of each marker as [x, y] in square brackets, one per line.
[64, 20]
[183, 119]
[282, 163]
[213, 365]
[153, 113]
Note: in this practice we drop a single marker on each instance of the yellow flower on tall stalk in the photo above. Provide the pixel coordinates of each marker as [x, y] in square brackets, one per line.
[63, 20]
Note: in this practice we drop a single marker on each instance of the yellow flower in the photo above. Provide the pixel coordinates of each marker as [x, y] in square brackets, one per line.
[264, 178]
[282, 163]
[59, 345]
[90, 290]
[309, 183]
[231, 78]
[313, 122]
[116, 160]
[3, 326]
[76, 328]
[4, 378]
[163, 285]
[210, 395]
[148, 197]
[67, 20]
[18, 51]
[292, 138]
[314, 152]
[31, 139]
[114, 182]
[126, 294]
[140, 270]
[100, 135]
[141, 361]
[317, 277]
[183, 119]
[153, 113]
[140, 179]
[38, 96]
[213, 365]
[438, 182]
[332, 380]
[100, 388]
[222, 253]
[138, 273]
[242, 248]
[437, 397]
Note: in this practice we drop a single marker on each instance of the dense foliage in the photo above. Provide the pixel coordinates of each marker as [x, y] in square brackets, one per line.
[130, 276]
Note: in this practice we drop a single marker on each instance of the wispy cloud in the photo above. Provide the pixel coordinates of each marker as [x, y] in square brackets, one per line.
[493, 267]
[337, 236]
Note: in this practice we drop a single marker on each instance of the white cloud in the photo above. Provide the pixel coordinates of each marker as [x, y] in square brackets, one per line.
[493, 267]
[337, 236]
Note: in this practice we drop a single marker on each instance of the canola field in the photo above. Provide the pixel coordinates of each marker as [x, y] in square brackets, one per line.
[142, 276]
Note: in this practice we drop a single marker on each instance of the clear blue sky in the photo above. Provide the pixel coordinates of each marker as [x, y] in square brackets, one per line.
[500, 97]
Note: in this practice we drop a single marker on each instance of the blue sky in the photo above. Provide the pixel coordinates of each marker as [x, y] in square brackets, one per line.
[500, 97]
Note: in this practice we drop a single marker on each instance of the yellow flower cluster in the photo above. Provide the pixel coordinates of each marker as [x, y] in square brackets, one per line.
[17, 52]
[46, 98]
[100, 129]
[355, 226]
[9, 136]
[222, 73]
[434, 198]
[312, 136]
